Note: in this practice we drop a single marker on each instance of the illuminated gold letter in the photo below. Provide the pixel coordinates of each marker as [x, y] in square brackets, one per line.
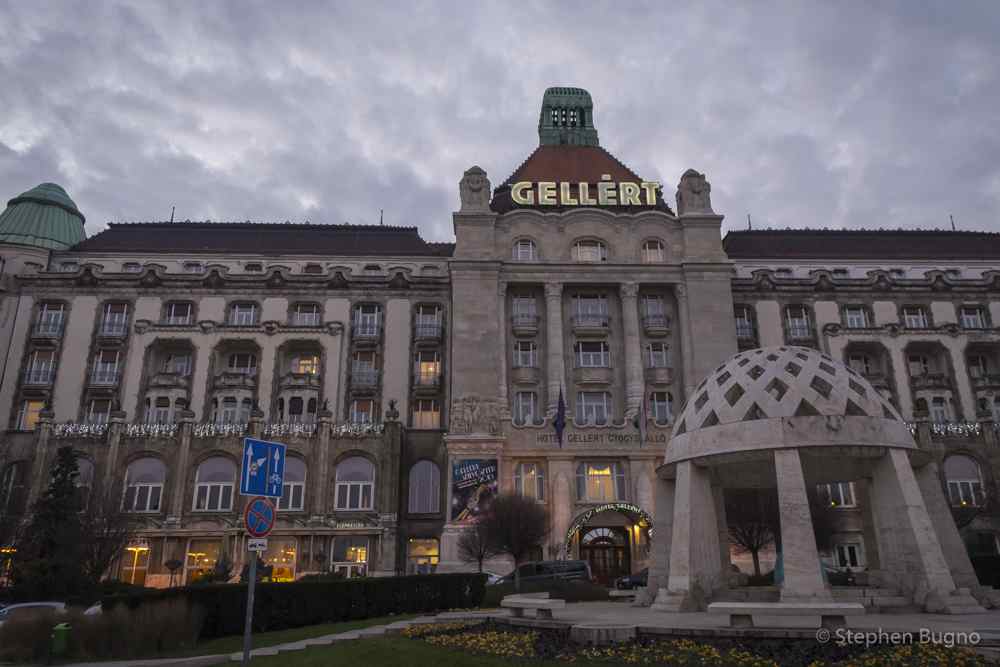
[565, 195]
[606, 194]
[650, 187]
[630, 194]
[546, 193]
[585, 198]
[521, 193]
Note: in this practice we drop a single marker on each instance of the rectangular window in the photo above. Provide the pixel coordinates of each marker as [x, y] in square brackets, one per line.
[41, 368]
[142, 497]
[525, 407]
[428, 322]
[856, 317]
[523, 305]
[349, 555]
[837, 494]
[744, 323]
[657, 355]
[307, 315]
[849, 556]
[177, 363]
[660, 407]
[978, 366]
[426, 413]
[591, 305]
[529, 481]
[915, 317]
[115, 320]
[99, 411]
[292, 496]
[158, 412]
[973, 317]
[919, 365]
[243, 314]
[600, 481]
[363, 411]
[592, 407]
[797, 322]
[201, 558]
[652, 306]
[525, 354]
[50, 319]
[244, 363]
[105, 371]
[593, 354]
[861, 363]
[28, 419]
[427, 368]
[131, 267]
[213, 497]
[366, 321]
[178, 313]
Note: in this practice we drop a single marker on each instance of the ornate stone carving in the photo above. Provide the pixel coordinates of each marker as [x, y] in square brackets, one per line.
[142, 326]
[474, 190]
[474, 414]
[693, 194]
[392, 414]
[553, 290]
[629, 290]
[502, 288]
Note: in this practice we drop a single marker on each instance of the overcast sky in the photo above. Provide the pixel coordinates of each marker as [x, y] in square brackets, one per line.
[804, 115]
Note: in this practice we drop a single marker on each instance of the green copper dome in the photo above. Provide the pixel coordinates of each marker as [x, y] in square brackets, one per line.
[44, 217]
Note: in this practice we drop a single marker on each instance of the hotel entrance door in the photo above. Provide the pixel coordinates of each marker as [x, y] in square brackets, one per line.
[607, 551]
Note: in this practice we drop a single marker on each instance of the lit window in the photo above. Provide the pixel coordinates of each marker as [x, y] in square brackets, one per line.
[525, 354]
[243, 314]
[973, 317]
[652, 252]
[177, 313]
[426, 413]
[28, 419]
[600, 481]
[355, 484]
[425, 488]
[856, 317]
[427, 368]
[525, 407]
[965, 481]
[915, 317]
[214, 481]
[590, 251]
[525, 251]
[294, 489]
[661, 406]
[363, 411]
[529, 480]
[422, 556]
[306, 364]
[349, 556]
[307, 315]
[280, 557]
[657, 355]
[837, 494]
[592, 407]
[593, 354]
[652, 306]
[144, 480]
[202, 556]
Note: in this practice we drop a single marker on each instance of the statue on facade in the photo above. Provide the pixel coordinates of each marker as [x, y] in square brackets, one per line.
[693, 194]
[474, 190]
[392, 414]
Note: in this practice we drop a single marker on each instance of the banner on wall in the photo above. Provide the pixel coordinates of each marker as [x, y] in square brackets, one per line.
[473, 485]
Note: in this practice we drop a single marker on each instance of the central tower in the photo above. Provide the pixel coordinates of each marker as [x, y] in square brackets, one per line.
[567, 118]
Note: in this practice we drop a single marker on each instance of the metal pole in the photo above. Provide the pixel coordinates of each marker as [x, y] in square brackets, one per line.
[249, 620]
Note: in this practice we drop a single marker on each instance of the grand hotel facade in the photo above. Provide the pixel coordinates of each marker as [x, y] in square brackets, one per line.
[412, 380]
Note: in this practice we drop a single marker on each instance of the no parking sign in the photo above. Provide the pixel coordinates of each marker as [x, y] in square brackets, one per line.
[259, 517]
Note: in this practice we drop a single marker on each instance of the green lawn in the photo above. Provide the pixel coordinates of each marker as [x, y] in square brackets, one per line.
[262, 639]
[390, 653]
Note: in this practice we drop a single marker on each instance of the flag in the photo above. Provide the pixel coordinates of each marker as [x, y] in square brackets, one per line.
[560, 419]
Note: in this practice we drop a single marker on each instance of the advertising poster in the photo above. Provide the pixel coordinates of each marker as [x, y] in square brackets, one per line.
[473, 485]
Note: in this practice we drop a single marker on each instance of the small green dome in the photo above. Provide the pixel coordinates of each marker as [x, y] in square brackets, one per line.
[44, 217]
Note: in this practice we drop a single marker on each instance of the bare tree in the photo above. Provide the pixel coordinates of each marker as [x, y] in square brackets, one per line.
[752, 520]
[474, 545]
[106, 531]
[514, 526]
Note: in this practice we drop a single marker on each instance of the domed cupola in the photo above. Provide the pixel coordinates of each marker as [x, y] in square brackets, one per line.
[43, 217]
[779, 397]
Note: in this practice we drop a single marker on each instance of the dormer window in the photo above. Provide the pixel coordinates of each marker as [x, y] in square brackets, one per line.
[525, 251]
[652, 252]
[131, 267]
[253, 267]
[590, 251]
[313, 269]
[194, 267]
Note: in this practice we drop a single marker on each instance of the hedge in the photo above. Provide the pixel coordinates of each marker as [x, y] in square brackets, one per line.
[292, 605]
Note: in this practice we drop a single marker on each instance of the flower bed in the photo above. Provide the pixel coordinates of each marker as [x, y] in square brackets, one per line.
[497, 639]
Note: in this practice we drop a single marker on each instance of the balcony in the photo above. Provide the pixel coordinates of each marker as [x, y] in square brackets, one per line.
[48, 327]
[364, 377]
[659, 375]
[105, 376]
[39, 377]
[427, 332]
[236, 378]
[930, 381]
[167, 380]
[299, 381]
[525, 374]
[591, 323]
[366, 331]
[656, 325]
[593, 375]
[113, 327]
[427, 382]
[524, 324]
[306, 320]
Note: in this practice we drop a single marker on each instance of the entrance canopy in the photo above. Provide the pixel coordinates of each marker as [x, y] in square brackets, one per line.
[633, 512]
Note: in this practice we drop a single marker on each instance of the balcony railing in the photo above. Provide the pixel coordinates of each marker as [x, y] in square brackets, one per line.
[931, 381]
[798, 331]
[177, 320]
[49, 327]
[427, 379]
[114, 327]
[524, 323]
[986, 380]
[427, 330]
[104, 377]
[590, 321]
[656, 324]
[744, 331]
[39, 376]
[364, 376]
[306, 320]
[366, 330]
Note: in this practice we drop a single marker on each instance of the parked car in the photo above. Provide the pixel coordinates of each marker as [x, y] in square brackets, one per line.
[27, 608]
[551, 570]
[630, 581]
[492, 578]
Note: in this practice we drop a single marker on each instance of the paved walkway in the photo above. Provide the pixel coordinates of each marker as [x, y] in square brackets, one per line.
[620, 613]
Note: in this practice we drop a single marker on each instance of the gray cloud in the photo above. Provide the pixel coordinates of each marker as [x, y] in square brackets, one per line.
[802, 114]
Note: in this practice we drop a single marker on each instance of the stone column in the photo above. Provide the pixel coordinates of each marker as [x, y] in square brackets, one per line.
[695, 568]
[554, 344]
[634, 382]
[560, 480]
[180, 467]
[952, 546]
[684, 330]
[321, 463]
[111, 477]
[505, 353]
[663, 521]
[800, 558]
[902, 378]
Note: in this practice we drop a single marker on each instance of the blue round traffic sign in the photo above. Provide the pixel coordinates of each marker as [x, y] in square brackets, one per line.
[259, 517]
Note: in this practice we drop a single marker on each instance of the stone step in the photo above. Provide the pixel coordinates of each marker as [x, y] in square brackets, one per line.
[864, 593]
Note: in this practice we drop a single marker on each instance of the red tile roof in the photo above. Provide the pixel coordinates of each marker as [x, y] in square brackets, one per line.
[861, 244]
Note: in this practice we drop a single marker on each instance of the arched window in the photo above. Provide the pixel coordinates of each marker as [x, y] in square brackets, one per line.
[84, 480]
[652, 252]
[294, 490]
[213, 488]
[425, 488]
[590, 250]
[144, 481]
[600, 481]
[525, 250]
[355, 484]
[965, 481]
[529, 480]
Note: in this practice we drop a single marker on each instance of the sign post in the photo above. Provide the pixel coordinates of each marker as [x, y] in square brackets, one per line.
[262, 474]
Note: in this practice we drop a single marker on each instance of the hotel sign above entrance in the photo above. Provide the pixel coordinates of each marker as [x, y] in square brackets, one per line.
[563, 193]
